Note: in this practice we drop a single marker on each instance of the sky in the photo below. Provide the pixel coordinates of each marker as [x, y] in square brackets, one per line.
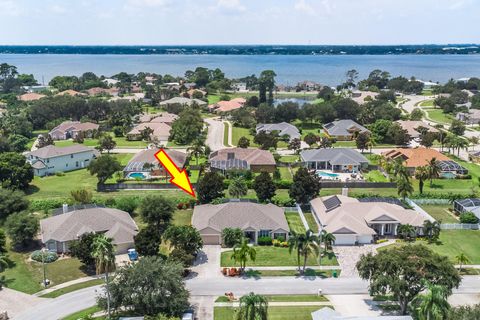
[190, 22]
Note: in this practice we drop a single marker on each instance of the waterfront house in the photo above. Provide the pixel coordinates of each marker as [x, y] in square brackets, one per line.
[343, 130]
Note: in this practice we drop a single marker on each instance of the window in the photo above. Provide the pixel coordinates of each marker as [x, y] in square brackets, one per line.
[48, 160]
[264, 233]
[71, 156]
[66, 164]
[76, 164]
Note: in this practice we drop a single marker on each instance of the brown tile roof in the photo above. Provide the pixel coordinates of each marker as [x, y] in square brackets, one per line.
[76, 126]
[411, 127]
[69, 92]
[160, 129]
[32, 96]
[53, 151]
[252, 156]
[226, 106]
[415, 157]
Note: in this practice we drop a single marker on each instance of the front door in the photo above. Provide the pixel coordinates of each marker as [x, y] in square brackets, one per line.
[250, 235]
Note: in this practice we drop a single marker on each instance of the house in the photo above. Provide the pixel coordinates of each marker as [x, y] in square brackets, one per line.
[412, 127]
[282, 128]
[70, 92]
[253, 159]
[37, 88]
[227, 106]
[343, 130]
[417, 157]
[474, 156]
[161, 131]
[31, 96]
[470, 117]
[97, 91]
[51, 159]
[467, 205]
[110, 82]
[309, 86]
[327, 313]
[353, 222]
[362, 97]
[428, 85]
[60, 230]
[191, 92]
[71, 129]
[335, 159]
[164, 117]
[255, 220]
[183, 101]
[144, 164]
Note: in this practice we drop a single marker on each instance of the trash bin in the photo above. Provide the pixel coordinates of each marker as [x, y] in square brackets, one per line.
[334, 273]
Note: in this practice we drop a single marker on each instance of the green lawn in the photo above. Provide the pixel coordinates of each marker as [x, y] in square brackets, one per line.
[427, 103]
[290, 158]
[375, 176]
[74, 287]
[213, 98]
[437, 115]
[285, 173]
[287, 298]
[440, 212]
[270, 256]
[274, 313]
[83, 313]
[311, 221]
[453, 242]
[238, 132]
[226, 129]
[182, 217]
[294, 222]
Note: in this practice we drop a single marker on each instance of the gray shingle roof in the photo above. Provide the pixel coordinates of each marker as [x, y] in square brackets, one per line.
[336, 156]
[184, 101]
[343, 127]
[53, 151]
[282, 127]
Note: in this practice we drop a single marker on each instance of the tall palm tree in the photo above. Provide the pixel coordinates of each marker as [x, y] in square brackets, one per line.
[103, 251]
[433, 305]
[431, 229]
[196, 149]
[252, 307]
[421, 174]
[433, 170]
[296, 242]
[305, 244]
[242, 252]
[462, 259]
[404, 187]
[406, 231]
[328, 239]
[399, 170]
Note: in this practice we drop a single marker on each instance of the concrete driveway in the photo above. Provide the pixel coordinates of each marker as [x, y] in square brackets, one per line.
[215, 133]
[207, 264]
[14, 302]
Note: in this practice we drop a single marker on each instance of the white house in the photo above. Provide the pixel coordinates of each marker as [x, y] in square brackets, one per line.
[51, 159]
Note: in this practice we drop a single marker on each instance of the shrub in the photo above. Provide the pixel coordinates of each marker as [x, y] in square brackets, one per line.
[283, 184]
[48, 256]
[231, 236]
[381, 241]
[468, 217]
[128, 204]
[276, 243]
[59, 174]
[46, 204]
[264, 241]
[180, 206]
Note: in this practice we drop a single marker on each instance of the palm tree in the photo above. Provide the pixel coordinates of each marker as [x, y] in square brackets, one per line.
[433, 170]
[295, 241]
[473, 141]
[305, 244]
[242, 252]
[196, 149]
[328, 239]
[399, 170]
[252, 307]
[462, 259]
[421, 174]
[433, 305]
[404, 187]
[237, 187]
[431, 229]
[406, 231]
[103, 252]
[3, 262]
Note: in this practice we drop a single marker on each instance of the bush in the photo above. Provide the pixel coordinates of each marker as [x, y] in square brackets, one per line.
[264, 241]
[59, 174]
[381, 241]
[180, 206]
[468, 217]
[46, 204]
[48, 256]
[231, 236]
[283, 184]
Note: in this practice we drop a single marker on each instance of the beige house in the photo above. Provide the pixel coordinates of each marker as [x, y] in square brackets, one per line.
[31, 96]
[353, 222]
[71, 129]
[161, 131]
[253, 159]
[58, 231]
[255, 220]
[412, 127]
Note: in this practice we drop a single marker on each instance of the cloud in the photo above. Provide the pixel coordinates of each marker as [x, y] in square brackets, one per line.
[149, 3]
[230, 6]
[9, 7]
[303, 6]
[58, 9]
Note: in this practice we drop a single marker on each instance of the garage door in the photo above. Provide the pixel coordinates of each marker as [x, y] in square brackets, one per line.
[345, 239]
[211, 239]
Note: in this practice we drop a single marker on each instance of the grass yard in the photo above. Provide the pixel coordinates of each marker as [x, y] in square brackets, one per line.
[226, 129]
[294, 222]
[375, 176]
[182, 217]
[83, 313]
[437, 115]
[274, 313]
[238, 132]
[270, 256]
[427, 103]
[453, 242]
[440, 212]
[290, 158]
[74, 287]
[311, 221]
[285, 173]
[213, 98]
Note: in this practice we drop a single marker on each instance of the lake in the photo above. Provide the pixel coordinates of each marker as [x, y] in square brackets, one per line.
[290, 69]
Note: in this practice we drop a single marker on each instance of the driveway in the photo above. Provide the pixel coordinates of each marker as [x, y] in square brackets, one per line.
[207, 264]
[355, 305]
[15, 302]
[215, 133]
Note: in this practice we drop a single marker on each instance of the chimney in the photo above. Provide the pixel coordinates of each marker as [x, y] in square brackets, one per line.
[65, 208]
[345, 191]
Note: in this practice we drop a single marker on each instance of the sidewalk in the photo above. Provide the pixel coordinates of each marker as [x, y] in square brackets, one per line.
[294, 268]
[67, 284]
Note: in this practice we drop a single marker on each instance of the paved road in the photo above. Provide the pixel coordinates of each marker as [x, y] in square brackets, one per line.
[215, 133]
[409, 105]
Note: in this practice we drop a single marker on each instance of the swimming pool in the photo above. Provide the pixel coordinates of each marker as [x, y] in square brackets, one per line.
[327, 174]
[137, 175]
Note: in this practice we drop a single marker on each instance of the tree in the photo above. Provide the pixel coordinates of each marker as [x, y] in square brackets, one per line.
[363, 140]
[406, 232]
[15, 171]
[311, 138]
[232, 236]
[149, 287]
[305, 244]
[22, 227]
[252, 307]
[266, 83]
[243, 142]
[157, 211]
[427, 138]
[416, 114]
[147, 241]
[11, 201]
[305, 186]
[433, 305]
[264, 187]
[468, 217]
[3, 241]
[457, 127]
[328, 239]
[196, 149]
[404, 186]
[242, 252]
[104, 167]
[433, 168]
[106, 142]
[18, 143]
[431, 229]
[404, 270]
[266, 140]
[238, 187]
[103, 252]
[462, 259]
[325, 142]
[81, 249]
[421, 174]
[81, 196]
[295, 144]
[188, 127]
[465, 313]
[210, 187]
[146, 133]
[326, 93]
[185, 238]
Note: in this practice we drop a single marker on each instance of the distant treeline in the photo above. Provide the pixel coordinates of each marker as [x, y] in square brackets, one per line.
[250, 49]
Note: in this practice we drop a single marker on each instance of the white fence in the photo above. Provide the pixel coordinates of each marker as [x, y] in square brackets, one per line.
[460, 226]
[431, 201]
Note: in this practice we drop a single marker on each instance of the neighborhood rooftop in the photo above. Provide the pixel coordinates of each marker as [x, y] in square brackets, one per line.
[51, 151]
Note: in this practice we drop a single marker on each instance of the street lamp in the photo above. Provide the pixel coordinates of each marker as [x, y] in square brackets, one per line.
[46, 282]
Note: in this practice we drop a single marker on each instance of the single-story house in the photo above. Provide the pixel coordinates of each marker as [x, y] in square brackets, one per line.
[417, 157]
[227, 106]
[282, 128]
[70, 129]
[470, 117]
[191, 92]
[255, 220]
[362, 97]
[183, 101]
[165, 117]
[160, 130]
[327, 313]
[467, 205]
[335, 159]
[253, 159]
[51, 159]
[58, 231]
[31, 96]
[144, 164]
[474, 156]
[98, 90]
[70, 92]
[353, 222]
[343, 130]
[412, 127]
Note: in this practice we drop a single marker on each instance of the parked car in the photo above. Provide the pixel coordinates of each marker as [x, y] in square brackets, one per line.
[188, 315]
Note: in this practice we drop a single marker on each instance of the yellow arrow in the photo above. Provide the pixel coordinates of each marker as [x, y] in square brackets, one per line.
[179, 178]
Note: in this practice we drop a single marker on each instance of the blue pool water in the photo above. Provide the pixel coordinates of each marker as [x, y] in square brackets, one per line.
[326, 174]
[135, 175]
